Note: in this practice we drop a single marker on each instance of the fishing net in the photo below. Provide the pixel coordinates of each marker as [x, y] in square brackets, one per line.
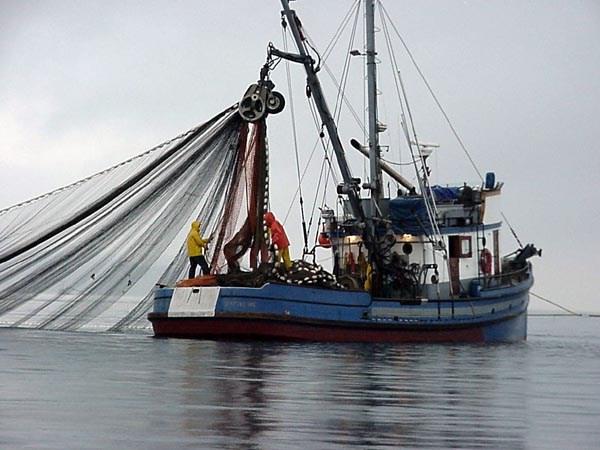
[88, 255]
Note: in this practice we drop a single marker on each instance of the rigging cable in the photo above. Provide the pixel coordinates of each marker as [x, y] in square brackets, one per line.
[364, 100]
[424, 182]
[295, 136]
[512, 230]
[424, 185]
[339, 31]
[346, 101]
[345, 71]
[324, 143]
[403, 99]
[337, 85]
[556, 304]
[302, 178]
[326, 158]
[393, 163]
[340, 90]
[341, 95]
[338, 106]
[437, 102]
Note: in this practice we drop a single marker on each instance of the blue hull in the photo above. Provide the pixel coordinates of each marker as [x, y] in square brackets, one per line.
[289, 312]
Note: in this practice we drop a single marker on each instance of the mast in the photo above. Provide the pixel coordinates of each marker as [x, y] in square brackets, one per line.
[374, 151]
[351, 185]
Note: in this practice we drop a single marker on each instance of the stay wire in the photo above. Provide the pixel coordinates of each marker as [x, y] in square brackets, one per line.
[393, 163]
[338, 33]
[430, 89]
[345, 72]
[337, 85]
[338, 103]
[396, 76]
[424, 185]
[323, 167]
[355, 115]
[514, 233]
[341, 89]
[326, 158]
[303, 176]
[324, 144]
[295, 136]
[404, 97]
[424, 181]
[556, 304]
[354, 9]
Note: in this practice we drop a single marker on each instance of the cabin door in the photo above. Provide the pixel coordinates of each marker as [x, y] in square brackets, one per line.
[454, 263]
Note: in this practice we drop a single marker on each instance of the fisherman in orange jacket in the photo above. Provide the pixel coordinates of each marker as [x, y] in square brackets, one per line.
[195, 250]
[279, 239]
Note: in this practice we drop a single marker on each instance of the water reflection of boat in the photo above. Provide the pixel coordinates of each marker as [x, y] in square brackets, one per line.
[257, 395]
[424, 266]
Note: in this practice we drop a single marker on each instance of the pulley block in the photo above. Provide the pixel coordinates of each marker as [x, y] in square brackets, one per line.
[259, 101]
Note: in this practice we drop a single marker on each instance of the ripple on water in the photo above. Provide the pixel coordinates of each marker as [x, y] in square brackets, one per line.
[104, 391]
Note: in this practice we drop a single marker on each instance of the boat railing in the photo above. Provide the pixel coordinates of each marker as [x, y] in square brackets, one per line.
[506, 278]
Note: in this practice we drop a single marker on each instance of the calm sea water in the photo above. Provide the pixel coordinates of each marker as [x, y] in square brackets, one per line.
[102, 391]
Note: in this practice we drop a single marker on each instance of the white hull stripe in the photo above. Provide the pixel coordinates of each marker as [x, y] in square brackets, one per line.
[196, 302]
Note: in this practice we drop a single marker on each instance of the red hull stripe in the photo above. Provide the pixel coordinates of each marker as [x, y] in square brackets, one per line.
[215, 328]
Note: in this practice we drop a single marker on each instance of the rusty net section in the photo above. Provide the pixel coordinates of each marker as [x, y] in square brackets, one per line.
[248, 191]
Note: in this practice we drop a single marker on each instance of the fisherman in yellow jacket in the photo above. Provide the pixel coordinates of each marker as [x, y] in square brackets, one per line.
[195, 250]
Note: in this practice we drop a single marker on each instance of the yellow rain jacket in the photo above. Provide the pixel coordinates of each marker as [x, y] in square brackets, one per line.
[195, 243]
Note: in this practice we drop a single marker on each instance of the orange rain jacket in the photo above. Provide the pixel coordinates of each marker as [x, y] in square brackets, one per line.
[278, 236]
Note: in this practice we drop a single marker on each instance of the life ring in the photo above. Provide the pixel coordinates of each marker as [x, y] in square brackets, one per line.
[485, 261]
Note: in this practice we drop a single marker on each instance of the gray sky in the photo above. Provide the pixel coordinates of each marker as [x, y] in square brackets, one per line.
[84, 85]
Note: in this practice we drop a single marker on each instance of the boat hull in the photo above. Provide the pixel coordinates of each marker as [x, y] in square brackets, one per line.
[507, 330]
[291, 313]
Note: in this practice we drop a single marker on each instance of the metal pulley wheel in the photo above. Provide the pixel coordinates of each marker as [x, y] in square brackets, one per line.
[253, 105]
[275, 102]
[258, 101]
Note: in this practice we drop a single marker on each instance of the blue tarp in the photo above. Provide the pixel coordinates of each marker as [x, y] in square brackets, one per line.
[445, 194]
[409, 214]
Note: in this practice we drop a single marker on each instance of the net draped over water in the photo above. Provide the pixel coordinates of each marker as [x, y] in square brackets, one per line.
[87, 256]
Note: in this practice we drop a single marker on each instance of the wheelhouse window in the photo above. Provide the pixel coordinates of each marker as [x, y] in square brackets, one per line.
[465, 247]
[460, 246]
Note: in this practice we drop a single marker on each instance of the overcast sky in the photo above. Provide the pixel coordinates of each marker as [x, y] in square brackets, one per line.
[84, 85]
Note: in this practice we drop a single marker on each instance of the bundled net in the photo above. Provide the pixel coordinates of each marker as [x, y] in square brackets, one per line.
[88, 255]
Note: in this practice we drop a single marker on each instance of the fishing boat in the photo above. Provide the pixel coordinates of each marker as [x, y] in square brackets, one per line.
[425, 266]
